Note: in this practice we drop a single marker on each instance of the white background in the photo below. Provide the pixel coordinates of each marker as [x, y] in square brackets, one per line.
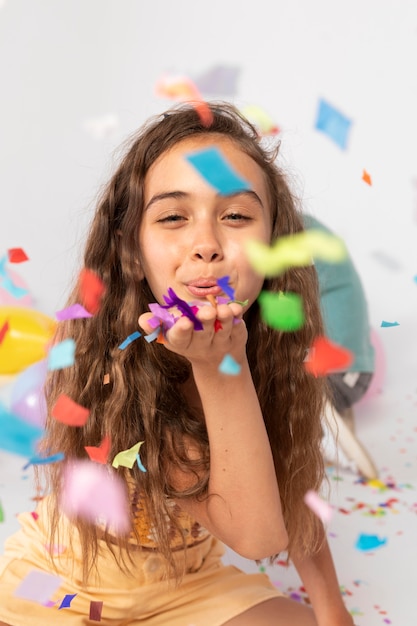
[66, 63]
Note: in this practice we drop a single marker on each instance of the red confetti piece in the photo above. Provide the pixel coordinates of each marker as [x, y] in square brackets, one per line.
[4, 330]
[69, 412]
[99, 454]
[95, 610]
[326, 356]
[217, 325]
[92, 290]
[17, 255]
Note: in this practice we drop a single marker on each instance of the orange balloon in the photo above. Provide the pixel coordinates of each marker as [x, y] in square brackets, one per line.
[26, 335]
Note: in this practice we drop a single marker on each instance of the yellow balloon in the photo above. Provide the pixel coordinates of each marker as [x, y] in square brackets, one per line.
[26, 340]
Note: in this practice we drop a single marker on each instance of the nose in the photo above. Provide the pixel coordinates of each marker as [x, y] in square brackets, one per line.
[206, 245]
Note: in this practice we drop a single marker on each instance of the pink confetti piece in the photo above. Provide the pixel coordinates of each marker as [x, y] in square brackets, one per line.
[321, 508]
[96, 493]
[75, 311]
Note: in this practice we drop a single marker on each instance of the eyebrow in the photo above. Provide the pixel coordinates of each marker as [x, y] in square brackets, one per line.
[178, 195]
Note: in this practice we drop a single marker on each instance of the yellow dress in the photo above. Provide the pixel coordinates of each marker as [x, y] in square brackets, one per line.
[209, 594]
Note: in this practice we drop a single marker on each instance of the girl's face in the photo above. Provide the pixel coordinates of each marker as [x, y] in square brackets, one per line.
[190, 235]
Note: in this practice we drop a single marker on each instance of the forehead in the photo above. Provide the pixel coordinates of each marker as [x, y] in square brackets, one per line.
[172, 167]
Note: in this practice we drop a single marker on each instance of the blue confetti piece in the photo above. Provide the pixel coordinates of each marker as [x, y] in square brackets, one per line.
[44, 460]
[61, 355]
[333, 123]
[66, 602]
[129, 340]
[229, 366]
[16, 435]
[214, 168]
[152, 336]
[139, 462]
[388, 324]
[369, 542]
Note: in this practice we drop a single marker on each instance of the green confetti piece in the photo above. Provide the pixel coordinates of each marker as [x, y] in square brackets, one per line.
[282, 311]
[1, 513]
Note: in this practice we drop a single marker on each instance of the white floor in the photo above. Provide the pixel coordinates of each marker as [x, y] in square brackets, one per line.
[378, 586]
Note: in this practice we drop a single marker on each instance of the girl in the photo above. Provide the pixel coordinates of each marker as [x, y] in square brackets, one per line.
[225, 458]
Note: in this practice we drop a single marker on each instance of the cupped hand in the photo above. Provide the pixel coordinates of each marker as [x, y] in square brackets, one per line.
[224, 332]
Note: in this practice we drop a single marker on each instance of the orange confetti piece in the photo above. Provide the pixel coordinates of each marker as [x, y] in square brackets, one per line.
[69, 412]
[366, 177]
[106, 379]
[182, 88]
[99, 454]
[326, 356]
[17, 255]
[4, 330]
[92, 289]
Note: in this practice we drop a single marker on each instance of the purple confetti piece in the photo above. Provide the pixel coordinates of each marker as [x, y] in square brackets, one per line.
[173, 300]
[223, 283]
[38, 586]
[75, 311]
[161, 316]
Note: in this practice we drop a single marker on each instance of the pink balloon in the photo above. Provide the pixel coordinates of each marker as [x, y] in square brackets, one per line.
[7, 299]
[378, 380]
[27, 397]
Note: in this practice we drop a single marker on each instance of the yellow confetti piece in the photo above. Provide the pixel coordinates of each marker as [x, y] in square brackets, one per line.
[127, 458]
[296, 250]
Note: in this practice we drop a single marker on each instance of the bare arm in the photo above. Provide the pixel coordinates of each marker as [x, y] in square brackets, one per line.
[320, 580]
[243, 508]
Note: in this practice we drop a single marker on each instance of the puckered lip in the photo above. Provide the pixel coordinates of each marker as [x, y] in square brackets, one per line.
[203, 287]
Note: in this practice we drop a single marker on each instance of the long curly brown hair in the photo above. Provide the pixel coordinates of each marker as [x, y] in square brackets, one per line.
[144, 399]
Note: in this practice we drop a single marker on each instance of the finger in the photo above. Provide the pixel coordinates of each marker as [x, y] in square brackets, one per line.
[143, 322]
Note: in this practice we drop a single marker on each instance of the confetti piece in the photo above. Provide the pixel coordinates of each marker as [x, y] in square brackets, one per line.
[3, 330]
[369, 542]
[388, 324]
[38, 586]
[297, 250]
[182, 88]
[326, 356]
[95, 493]
[152, 336]
[1, 513]
[215, 169]
[100, 453]
[229, 366]
[66, 602]
[260, 118]
[75, 311]
[322, 509]
[16, 435]
[44, 460]
[188, 311]
[69, 412]
[17, 255]
[92, 290]
[129, 340]
[61, 355]
[366, 178]
[126, 458]
[282, 311]
[223, 283]
[219, 80]
[139, 462]
[333, 123]
[106, 379]
[96, 610]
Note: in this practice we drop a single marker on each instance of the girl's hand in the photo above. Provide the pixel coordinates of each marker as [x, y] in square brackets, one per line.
[224, 332]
